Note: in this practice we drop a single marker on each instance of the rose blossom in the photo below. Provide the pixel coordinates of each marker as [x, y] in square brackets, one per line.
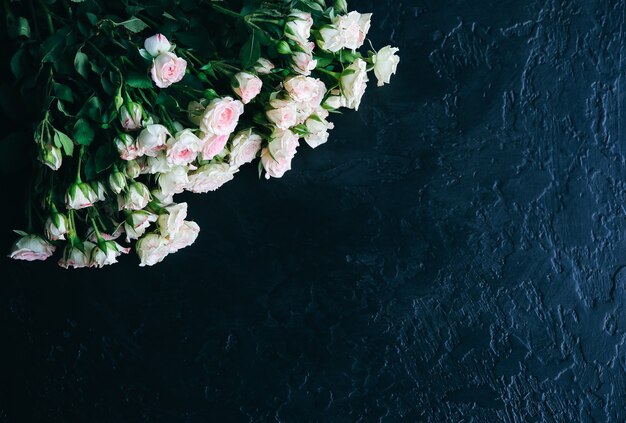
[152, 249]
[79, 196]
[331, 39]
[263, 66]
[183, 148]
[283, 113]
[213, 145]
[75, 257]
[157, 44]
[245, 146]
[173, 182]
[186, 235]
[210, 177]
[353, 83]
[51, 156]
[302, 62]
[353, 28]
[131, 115]
[158, 164]
[167, 68]
[318, 131]
[137, 222]
[298, 26]
[57, 225]
[221, 116]
[152, 139]
[304, 89]
[106, 254]
[385, 64]
[171, 220]
[136, 198]
[276, 157]
[248, 86]
[31, 247]
[127, 147]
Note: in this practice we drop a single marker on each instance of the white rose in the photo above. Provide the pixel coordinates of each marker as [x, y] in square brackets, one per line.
[185, 236]
[263, 66]
[152, 139]
[298, 26]
[353, 83]
[106, 254]
[276, 157]
[157, 44]
[157, 164]
[210, 177]
[183, 148]
[284, 113]
[318, 131]
[173, 182]
[137, 222]
[131, 115]
[171, 220]
[76, 258]
[245, 146]
[126, 147]
[302, 62]
[331, 39]
[51, 156]
[152, 249]
[248, 86]
[136, 198]
[31, 248]
[353, 28]
[57, 225]
[304, 89]
[79, 196]
[385, 64]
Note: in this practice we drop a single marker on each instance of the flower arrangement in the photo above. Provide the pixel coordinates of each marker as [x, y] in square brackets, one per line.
[138, 102]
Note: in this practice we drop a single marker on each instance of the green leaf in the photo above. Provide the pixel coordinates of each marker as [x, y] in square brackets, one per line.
[83, 133]
[134, 25]
[251, 51]
[81, 62]
[137, 80]
[17, 62]
[17, 27]
[63, 92]
[105, 157]
[63, 141]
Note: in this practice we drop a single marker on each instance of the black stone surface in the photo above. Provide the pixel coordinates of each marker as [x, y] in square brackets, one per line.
[454, 254]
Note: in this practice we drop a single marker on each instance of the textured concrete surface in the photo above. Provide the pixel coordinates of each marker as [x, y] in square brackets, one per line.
[456, 253]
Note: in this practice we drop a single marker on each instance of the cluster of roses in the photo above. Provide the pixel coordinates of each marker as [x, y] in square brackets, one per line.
[206, 152]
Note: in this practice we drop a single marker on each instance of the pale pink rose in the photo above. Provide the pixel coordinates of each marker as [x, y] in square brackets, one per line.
[303, 89]
[127, 147]
[221, 116]
[263, 66]
[174, 182]
[185, 236]
[248, 86]
[152, 139]
[31, 248]
[157, 164]
[303, 62]
[353, 83]
[183, 148]
[298, 26]
[157, 44]
[131, 116]
[79, 196]
[152, 249]
[135, 198]
[167, 68]
[137, 222]
[385, 64]
[283, 113]
[102, 256]
[245, 146]
[171, 220]
[76, 258]
[317, 127]
[277, 156]
[330, 39]
[213, 145]
[353, 28]
[210, 177]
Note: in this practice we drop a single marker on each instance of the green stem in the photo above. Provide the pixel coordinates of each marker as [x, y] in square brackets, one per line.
[335, 75]
[80, 164]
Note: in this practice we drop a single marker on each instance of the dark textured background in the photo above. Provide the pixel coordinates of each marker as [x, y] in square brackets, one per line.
[455, 253]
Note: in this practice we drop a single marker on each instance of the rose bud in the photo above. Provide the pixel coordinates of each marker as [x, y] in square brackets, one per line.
[75, 257]
[51, 156]
[263, 66]
[127, 147]
[247, 86]
[106, 252]
[80, 195]
[136, 198]
[157, 44]
[131, 115]
[385, 64]
[57, 225]
[31, 247]
[171, 220]
[100, 190]
[117, 181]
[298, 27]
[136, 224]
[133, 169]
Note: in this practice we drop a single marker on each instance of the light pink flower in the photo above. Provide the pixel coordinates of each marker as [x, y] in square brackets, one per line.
[157, 44]
[221, 116]
[167, 68]
[152, 139]
[248, 86]
[245, 146]
[283, 113]
[277, 156]
[185, 236]
[31, 248]
[213, 145]
[183, 148]
[210, 177]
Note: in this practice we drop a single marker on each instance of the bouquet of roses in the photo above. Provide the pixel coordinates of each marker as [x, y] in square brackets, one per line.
[136, 102]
